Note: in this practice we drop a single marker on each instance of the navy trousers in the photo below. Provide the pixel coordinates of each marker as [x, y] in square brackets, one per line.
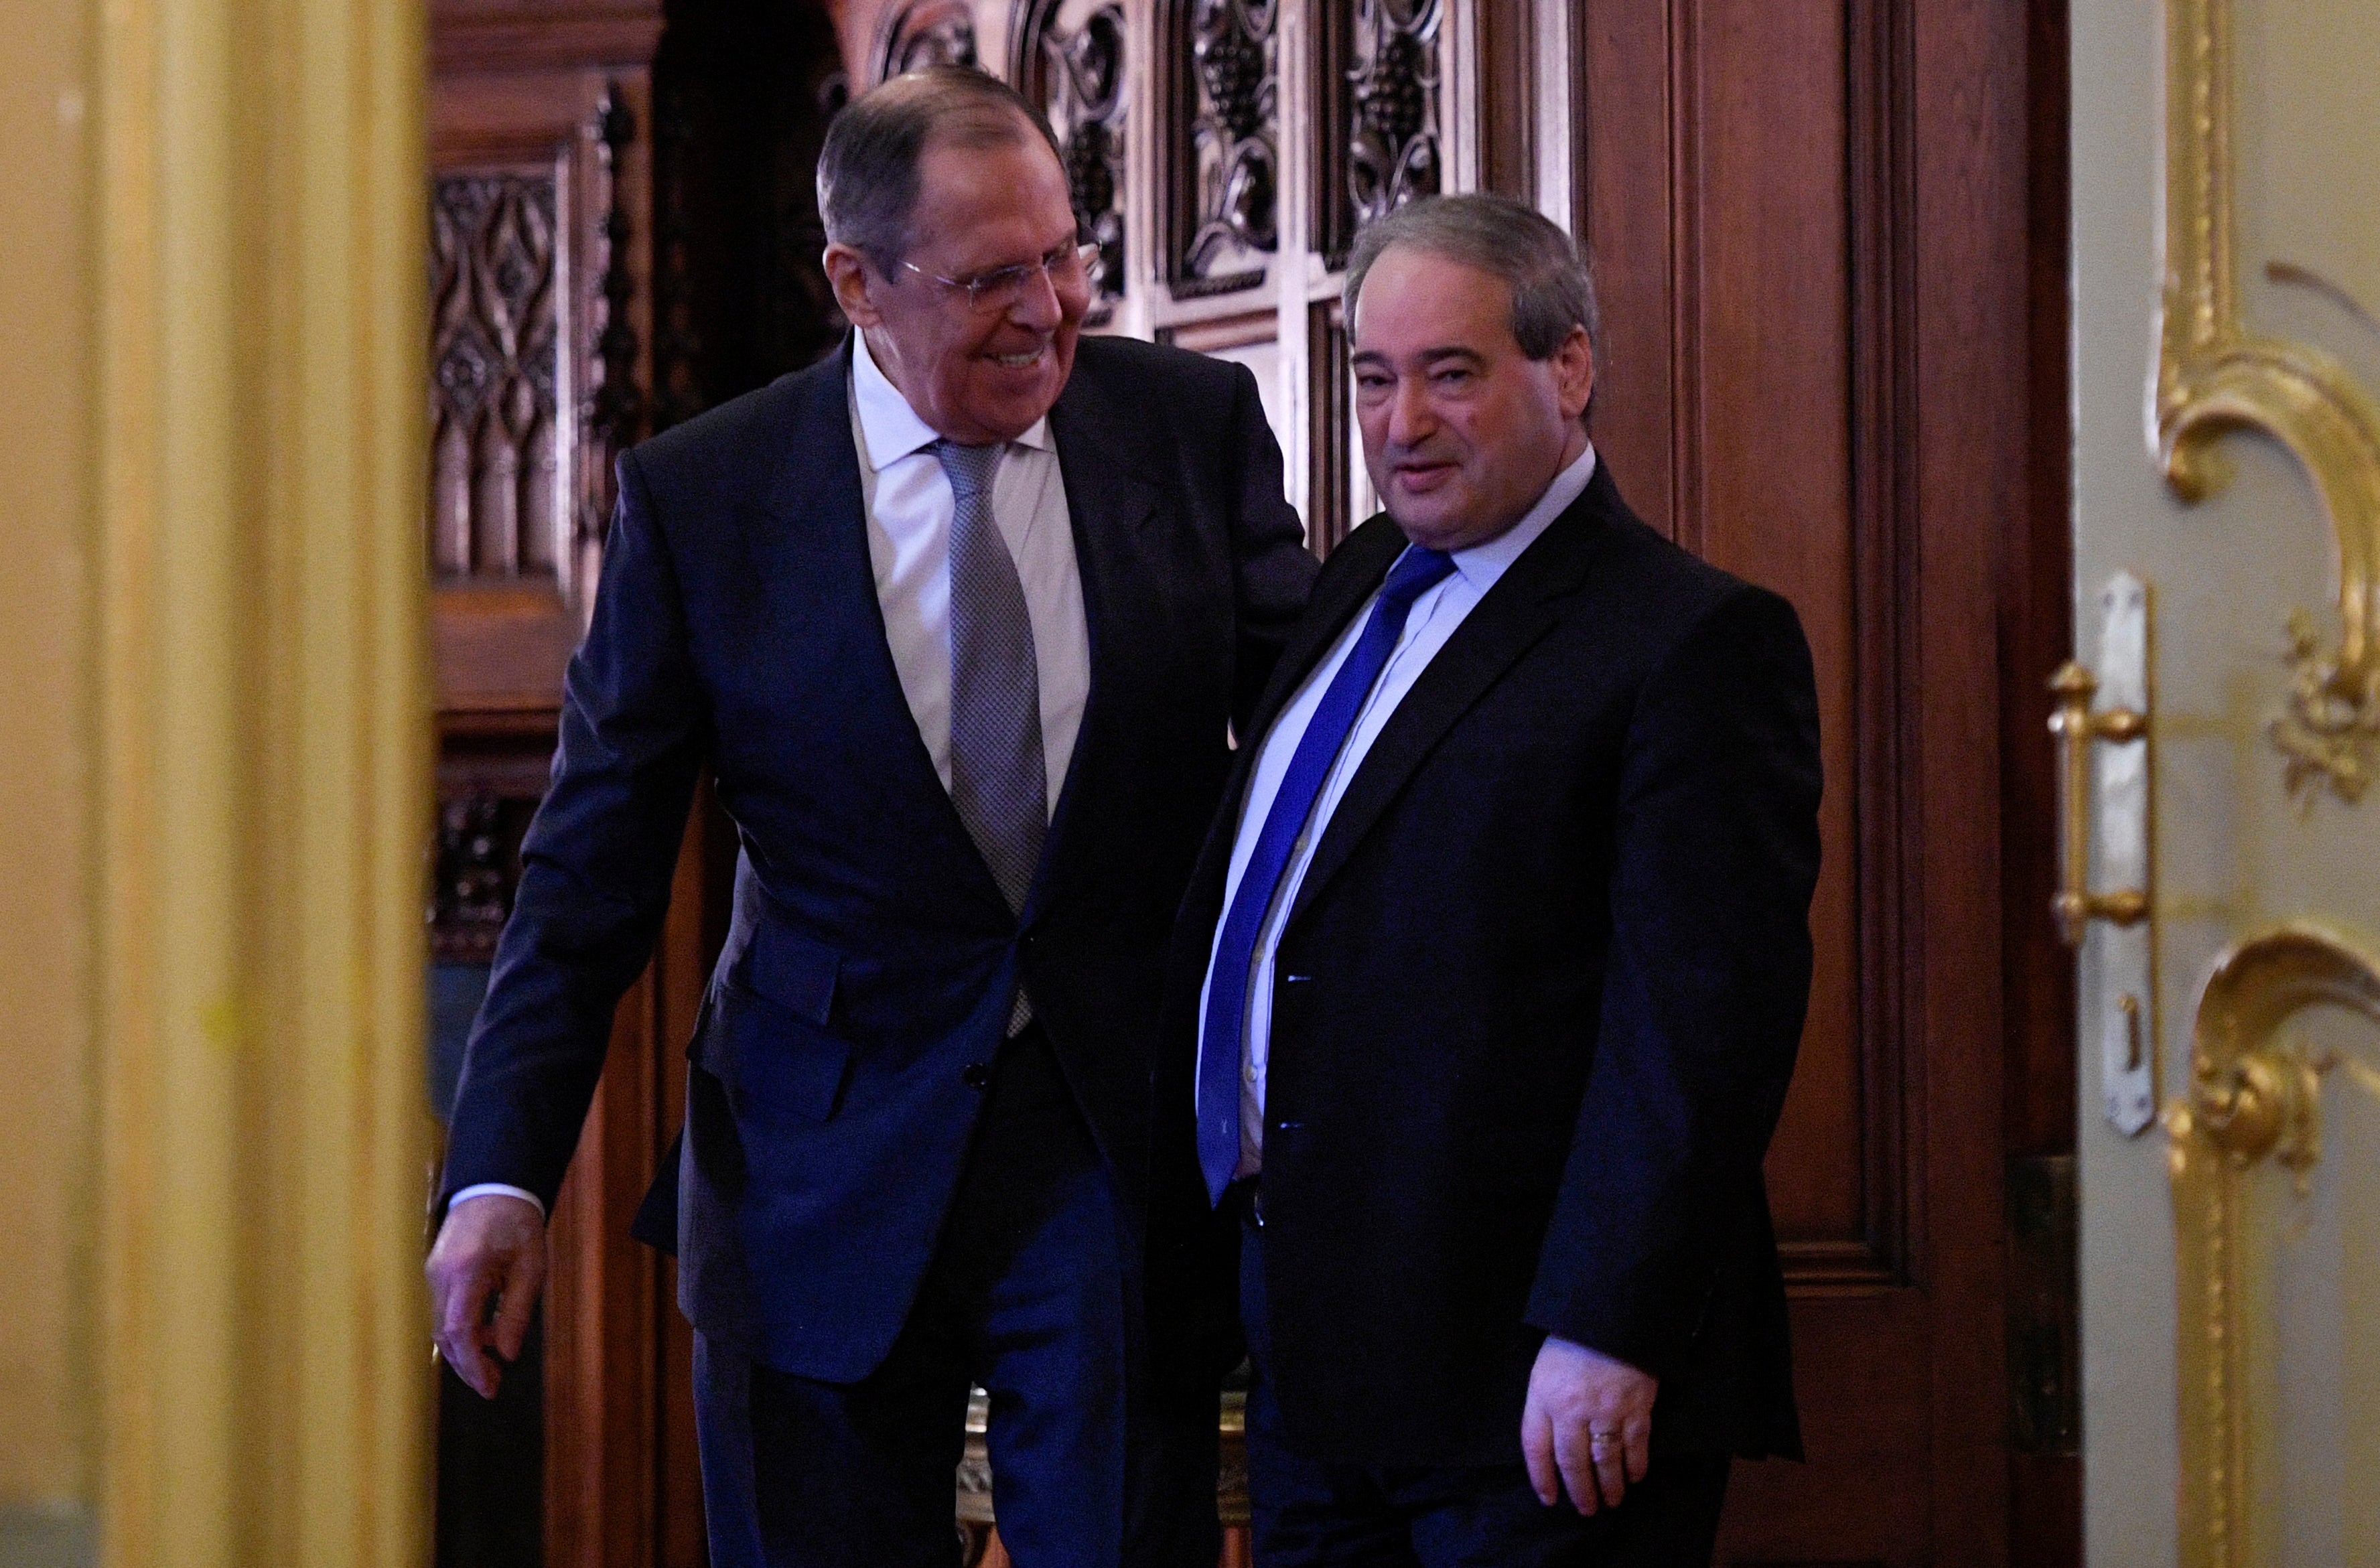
[1314, 1514]
[1034, 1294]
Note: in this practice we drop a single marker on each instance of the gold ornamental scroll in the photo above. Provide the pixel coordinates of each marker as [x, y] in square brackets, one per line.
[2216, 374]
[2253, 1099]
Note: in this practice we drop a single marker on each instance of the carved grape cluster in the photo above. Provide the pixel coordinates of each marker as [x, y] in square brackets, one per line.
[1390, 97]
[1231, 65]
[1090, 179]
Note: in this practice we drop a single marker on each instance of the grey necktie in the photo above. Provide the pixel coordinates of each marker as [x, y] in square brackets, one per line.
[999, 780]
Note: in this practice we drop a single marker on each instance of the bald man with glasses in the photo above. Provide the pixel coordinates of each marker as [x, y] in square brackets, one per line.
[959, 620]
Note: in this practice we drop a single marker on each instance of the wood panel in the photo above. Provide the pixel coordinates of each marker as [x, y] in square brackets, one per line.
[1633, 142]
[539, 132]
[1809, 228]
[563, 140]
[1767, 353]
[1746, 405]
[622, 1479]
[2035, 632]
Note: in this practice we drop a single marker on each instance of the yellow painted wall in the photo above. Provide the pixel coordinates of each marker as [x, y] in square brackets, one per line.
[46, 1398]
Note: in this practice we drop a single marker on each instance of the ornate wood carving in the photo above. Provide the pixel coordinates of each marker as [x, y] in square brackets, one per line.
[1393, 151]
[1221, 144]
[1073, 65]
[497, 505]
[1376, 90]
[614, 412]
[475, 875]
[617, 414]
[919, 33]
[519, 492]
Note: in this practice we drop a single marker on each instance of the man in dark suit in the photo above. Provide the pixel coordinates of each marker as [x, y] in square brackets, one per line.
[958, 620]
[1497, 962]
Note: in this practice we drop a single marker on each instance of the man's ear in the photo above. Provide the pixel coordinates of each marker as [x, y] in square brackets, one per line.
[848, 274]
[1574, 365]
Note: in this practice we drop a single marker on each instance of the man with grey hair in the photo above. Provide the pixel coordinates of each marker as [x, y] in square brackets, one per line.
[1491, 975]
[959, 621]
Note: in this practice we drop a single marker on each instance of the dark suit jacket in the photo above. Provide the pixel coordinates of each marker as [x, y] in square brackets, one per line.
[1536, 1006]
[871, 955]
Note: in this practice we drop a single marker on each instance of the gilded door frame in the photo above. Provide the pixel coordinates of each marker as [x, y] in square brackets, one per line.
[2215, 374]
[261, 724]
[2251, 1098]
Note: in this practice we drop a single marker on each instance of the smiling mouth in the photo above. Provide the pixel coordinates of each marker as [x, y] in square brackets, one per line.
[1018, 361]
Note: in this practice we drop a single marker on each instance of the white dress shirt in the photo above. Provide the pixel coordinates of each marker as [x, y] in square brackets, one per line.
[1432, 621]
[907, 499]
[908, 504]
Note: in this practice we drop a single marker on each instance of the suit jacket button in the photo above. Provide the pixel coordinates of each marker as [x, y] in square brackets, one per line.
[978, 1075]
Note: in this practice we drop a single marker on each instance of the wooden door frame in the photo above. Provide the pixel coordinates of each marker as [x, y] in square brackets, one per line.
[1956, 114]
[1959, 484]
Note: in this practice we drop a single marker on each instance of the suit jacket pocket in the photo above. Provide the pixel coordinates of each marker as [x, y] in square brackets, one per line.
[768, 1036]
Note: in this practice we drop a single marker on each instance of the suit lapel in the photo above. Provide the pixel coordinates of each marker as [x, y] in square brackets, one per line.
[1525, 602]
[1111, 495]
[822, 561]
[1347, 583]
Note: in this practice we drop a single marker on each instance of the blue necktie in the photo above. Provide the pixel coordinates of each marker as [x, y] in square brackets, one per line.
[1227, 994]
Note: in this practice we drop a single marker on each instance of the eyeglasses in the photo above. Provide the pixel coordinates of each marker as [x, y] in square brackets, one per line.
[1066, 267]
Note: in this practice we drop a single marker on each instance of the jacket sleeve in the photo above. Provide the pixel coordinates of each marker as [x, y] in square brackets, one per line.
[1716, 855]
[1274, 571]
[595, 869]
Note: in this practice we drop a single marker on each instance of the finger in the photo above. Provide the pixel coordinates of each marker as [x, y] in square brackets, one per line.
[514, 1305]
[1638, 1436]
[1611, 1456]
[459, 1333]
[1572, 1449]
[1537, 1448]
[478, 1374]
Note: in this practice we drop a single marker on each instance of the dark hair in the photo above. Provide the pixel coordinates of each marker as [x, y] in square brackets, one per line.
[867, 170]
[1553, 292]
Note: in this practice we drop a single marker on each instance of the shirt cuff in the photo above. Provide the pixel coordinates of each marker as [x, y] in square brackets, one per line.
[485, 1189]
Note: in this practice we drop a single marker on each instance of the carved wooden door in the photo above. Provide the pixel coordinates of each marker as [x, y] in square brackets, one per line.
[1820, 369]
[1810, 225]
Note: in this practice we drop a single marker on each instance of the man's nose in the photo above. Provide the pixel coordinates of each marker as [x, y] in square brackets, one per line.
[1036, 305]
[1410, 418]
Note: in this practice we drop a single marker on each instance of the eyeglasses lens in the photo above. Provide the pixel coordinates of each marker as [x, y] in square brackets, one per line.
[1001, 287]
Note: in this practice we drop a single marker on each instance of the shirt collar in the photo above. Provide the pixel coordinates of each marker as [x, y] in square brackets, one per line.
[1483, 563]
[889, 429]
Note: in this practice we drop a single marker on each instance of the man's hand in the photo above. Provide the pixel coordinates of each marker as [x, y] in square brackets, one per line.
[1589, 1420]
[485, 1271]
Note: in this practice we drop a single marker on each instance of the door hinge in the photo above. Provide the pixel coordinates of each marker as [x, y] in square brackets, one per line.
[2044, 1313]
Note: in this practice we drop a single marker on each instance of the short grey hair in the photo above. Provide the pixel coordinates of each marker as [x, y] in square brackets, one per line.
[868, 169]
[1553, 291]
